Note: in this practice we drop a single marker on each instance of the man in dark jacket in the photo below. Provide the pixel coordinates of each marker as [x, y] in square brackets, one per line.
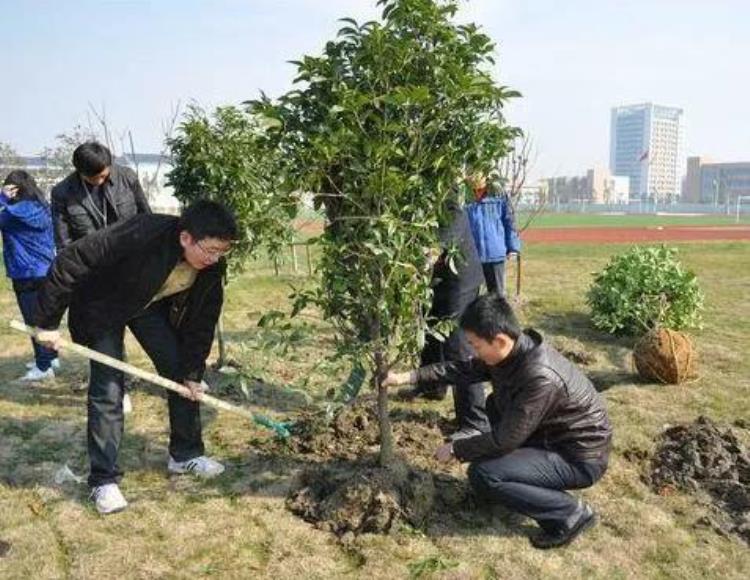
[160, 276]
[550, 429]
[454, 287]
[97, 194]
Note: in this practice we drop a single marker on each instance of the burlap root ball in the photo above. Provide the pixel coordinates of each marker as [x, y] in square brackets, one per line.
[666, 356]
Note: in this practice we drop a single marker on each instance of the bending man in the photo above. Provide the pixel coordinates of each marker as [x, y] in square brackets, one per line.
[161, 276]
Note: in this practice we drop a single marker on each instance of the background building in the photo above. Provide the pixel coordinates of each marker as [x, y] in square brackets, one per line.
[597, 186]
[152, 171]
[646, 143]
[715, 183]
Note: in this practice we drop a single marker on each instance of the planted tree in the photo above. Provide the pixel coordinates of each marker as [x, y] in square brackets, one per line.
[381, 128]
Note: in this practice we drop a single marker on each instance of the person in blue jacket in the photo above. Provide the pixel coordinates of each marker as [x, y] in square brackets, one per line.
[28, 252]
[494, 231]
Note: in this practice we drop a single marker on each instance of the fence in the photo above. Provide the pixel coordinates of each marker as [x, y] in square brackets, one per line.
[300, 257]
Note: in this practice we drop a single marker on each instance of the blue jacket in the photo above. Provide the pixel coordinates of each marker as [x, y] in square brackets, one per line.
[28, 239]
[492, 226]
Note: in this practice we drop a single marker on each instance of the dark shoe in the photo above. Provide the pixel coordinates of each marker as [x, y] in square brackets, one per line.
[564, 535]
[464, 433]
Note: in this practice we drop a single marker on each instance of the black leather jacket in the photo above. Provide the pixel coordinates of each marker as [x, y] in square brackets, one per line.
[111, 275]
[539, 399]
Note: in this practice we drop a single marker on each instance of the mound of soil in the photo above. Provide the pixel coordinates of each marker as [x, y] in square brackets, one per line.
[355, 499]
[709, 460]
[666, 356]
[347, 493]
[352, 433]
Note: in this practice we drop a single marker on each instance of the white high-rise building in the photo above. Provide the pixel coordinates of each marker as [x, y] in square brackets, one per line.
[646, 144]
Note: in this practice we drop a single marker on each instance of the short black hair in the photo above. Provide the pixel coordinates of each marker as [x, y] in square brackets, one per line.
[209, 219]
[490, 315]
[91, 158]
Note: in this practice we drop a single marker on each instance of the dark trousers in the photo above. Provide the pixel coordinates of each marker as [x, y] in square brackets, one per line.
[26, 293]
[468, 399]
[105, 418]
[494, 276]
[532, 482]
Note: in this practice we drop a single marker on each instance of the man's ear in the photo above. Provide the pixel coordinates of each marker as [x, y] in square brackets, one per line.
[186, 239]
[503, 341]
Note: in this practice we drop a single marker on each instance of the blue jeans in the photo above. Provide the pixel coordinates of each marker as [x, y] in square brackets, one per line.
[533, 481]
[26, 292]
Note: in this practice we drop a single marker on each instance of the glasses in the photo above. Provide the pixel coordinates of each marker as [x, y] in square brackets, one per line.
[215, 255]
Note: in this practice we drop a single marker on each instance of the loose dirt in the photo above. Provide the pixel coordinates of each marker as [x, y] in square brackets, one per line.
[347, 493]
[711, 461]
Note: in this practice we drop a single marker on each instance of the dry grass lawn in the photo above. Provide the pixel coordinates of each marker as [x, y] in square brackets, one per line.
[237, 526]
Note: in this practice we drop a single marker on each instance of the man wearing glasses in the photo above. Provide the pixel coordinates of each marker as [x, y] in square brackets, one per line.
[160, 276]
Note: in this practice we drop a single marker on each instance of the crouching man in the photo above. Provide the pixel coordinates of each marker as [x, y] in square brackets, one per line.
[161, 276]
[550, 429]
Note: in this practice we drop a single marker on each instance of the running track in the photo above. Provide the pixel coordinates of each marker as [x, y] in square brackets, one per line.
[613, 235]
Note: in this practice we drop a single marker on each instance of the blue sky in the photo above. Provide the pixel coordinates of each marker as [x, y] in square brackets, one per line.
[573, 60]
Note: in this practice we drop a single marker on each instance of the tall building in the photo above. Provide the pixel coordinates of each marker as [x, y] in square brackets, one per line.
[716, 183]
[646, 143]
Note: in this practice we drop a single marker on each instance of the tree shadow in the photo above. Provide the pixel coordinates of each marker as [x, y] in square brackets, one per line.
[242, 390]
[36, 452]
[578, 324]
[56, 392]
[604, 380]
[578, 327]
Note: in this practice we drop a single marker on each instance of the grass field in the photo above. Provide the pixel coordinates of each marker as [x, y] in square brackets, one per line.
[237, 526]
[572, 220]
[312, 223]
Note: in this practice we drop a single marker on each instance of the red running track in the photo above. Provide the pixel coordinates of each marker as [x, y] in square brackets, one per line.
[613, 235]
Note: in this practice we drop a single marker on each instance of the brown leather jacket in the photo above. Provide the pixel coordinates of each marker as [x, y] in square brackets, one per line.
[539, 399]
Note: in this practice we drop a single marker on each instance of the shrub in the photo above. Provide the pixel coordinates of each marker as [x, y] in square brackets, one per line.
[645, 288]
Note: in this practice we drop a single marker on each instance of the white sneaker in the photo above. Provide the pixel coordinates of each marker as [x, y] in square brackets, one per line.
[34, 374]
[55, 364]
[201, 466]
[108, 499]
[127, 404]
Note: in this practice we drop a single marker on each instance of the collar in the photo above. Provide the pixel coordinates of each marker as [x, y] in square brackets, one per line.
[528, 341]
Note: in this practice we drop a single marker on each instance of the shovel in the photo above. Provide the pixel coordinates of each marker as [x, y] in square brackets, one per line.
[281, 429]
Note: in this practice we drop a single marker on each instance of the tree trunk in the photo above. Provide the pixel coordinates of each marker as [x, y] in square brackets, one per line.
[384, 419]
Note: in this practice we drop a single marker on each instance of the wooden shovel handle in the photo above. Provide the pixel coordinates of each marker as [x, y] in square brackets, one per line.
[136, 372]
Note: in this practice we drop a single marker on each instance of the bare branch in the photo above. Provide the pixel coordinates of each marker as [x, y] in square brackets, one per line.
[513, 171]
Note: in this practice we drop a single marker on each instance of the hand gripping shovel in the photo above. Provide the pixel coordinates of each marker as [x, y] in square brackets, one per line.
[281, 429]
